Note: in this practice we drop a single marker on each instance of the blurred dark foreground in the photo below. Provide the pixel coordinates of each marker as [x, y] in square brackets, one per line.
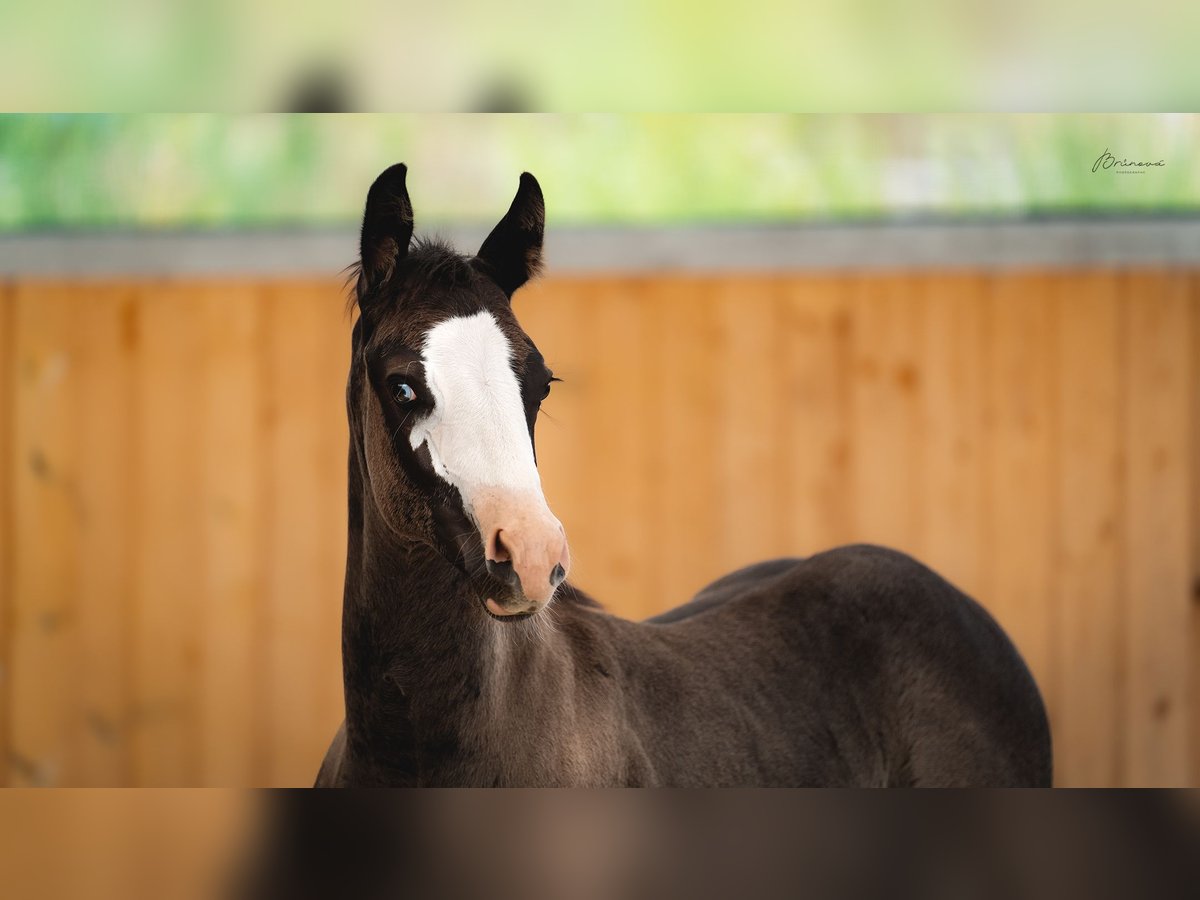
[589, 845]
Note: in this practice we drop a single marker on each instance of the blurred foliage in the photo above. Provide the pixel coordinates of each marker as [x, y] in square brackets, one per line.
[209, 171]
[626, 55]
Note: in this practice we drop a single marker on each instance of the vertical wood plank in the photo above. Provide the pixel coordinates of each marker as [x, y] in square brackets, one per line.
[621, 420]
[109, 328]
[231, 473]
[1088, 565]
[169, 584]
[305, 492]
[46, 535]
[1194, 645]
[886, 469]
[1017, 583]
[745, 382]
[686, 516]
[291, 338]
[951, 413]
[816, 328]
[8, 376]
[1157, 439]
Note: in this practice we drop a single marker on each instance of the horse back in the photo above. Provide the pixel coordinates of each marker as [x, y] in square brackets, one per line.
[728, 587]
[915, 657]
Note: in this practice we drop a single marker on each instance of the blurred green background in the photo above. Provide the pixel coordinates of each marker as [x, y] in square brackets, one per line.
[194, 171]
[627, 55]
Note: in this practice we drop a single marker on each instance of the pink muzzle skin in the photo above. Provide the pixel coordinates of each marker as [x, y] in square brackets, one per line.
[519, 530]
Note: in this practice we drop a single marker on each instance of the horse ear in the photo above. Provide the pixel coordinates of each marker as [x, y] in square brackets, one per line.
[387, 228]
[512, 253]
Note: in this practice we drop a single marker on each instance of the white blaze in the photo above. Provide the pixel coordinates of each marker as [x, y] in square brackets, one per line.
[476, 434]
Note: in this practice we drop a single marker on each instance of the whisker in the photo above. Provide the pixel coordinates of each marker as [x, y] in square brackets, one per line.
[400, 427]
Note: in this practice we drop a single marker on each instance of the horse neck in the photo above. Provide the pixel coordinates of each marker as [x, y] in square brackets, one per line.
[424, 666]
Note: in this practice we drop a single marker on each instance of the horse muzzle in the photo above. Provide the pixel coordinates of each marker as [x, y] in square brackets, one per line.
[524, 546]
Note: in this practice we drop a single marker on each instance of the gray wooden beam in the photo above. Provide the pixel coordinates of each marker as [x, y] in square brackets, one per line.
[1052, 243]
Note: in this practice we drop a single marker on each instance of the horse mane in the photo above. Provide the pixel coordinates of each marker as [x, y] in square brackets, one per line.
[429, 261]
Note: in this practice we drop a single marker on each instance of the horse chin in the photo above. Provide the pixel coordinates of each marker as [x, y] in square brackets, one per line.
[511, 608]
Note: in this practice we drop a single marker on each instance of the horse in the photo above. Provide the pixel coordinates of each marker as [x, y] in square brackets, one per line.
[469, 660]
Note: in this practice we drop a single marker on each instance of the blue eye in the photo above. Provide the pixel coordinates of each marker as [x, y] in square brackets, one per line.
[403, 393]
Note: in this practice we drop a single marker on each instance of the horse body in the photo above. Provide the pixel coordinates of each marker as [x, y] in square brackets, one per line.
[856, 667]
[469, 662]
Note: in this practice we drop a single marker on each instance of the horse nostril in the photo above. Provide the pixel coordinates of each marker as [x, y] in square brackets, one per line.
[502, 571]
[557, 576]
[497, 550]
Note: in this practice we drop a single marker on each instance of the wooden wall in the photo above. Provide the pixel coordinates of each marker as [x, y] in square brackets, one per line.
[129, 845]
[172, 517]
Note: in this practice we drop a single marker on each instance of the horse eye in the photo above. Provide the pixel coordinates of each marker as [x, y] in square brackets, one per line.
[403, 393]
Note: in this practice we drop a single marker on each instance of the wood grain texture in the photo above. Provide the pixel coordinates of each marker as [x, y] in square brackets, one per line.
[305, 451]
[817, 336]
[745, 385]
[107, 435]
[168, 589]
[687, 411]
[1018, 467]
[886, 483]
[1088, 526]
[46, 536]
[172, 522]
[1158, 579]
[233, 527]
[1193, 703]
[950, 425]
[612, 558]
[8, 375]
